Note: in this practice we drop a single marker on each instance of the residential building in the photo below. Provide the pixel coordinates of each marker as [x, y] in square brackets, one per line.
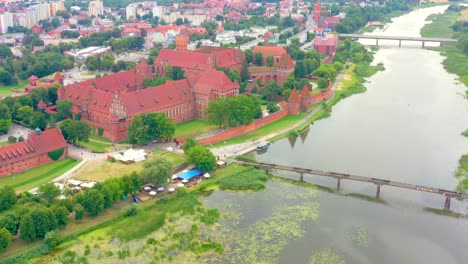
[326, 45]
[96, 8]
[35, 151]
[283, 65]
[6, 20]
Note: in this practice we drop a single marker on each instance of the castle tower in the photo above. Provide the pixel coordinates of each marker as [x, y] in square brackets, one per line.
[294, 103]
[143, 71]
[182, 41]
[306, 98]
[317, 11]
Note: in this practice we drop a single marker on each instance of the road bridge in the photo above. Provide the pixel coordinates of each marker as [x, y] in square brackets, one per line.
[399, 38]
[342, 176]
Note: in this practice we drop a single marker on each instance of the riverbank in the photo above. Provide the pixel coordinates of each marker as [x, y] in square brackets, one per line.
[159, 223]
[455, 60]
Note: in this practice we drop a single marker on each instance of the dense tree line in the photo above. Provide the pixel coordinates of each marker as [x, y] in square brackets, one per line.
[357, 17]
[261, 21]
[233, 111]
[97, 39]
[127, 43]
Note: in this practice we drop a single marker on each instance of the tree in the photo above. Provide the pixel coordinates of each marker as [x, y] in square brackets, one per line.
[44, 221]
[248, 56]
[258, 59]
[12, 139]
[93, 63]
[271, 90]
[25, 114]
[64, 108]
[189, 143]
[7, 197]
[156, 171]
[52, 239]
[5, 239]
[322, 83]
[5, 51]
[28, 231]
[244, 74]
[93, 202]
[107, 62]
[10, 222]
[272, 107]
[299, 69]
[55, 22]
[202, 158]
[148, 127]
[79, 211]
[5, 118]
[39, 120]
[61, 214]
[49, 191]
[75, 130]
[270, 61]
[6, 77]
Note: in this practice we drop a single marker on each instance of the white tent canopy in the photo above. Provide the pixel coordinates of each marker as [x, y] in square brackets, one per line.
[131, 155]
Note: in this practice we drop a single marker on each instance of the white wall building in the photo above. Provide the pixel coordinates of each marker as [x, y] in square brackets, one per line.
[6, 20]
[96, 8]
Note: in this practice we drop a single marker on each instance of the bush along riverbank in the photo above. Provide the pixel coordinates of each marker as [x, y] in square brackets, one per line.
[446, 25]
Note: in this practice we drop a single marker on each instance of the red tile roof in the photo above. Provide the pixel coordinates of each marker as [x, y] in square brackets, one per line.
[41, 105]
[183, 59]
[213, 79]
[156, 98]
[47, 141]
[17, 151]
[294, 97]
[325, 41]
[286, 61]
[33, 78]
[224, 57]
[274, 51]
[114, 82]
[305, 91]
[58, 76]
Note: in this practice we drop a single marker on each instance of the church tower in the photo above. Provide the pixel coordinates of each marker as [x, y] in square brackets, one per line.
[182, 42]
[317, 11]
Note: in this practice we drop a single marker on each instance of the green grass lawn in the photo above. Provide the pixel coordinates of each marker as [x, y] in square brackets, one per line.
[158, 151]
[174, 158]
[455, 62]
[6, 90]
[283, 123]
[193, 127]
[37, 176]
[440, 25]
[101, 139]
[95, 146]
[4, 143]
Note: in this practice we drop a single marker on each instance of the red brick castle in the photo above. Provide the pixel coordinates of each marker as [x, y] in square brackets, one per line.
[109, 103]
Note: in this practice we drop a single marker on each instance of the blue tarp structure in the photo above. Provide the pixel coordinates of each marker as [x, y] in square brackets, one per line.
[190, 174]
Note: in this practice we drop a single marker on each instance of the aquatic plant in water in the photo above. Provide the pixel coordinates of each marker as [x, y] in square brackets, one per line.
[359, 237]
[326, 256]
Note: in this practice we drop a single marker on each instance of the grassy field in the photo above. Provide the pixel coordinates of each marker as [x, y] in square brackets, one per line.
[174, 158]
[37, 176]
[193, 127]
[283, 123]
[6, 90]
[440, 25]
[95, 146]
[4, 143]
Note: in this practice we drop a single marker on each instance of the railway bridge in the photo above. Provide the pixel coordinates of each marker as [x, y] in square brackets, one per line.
[399, 38]
[342, 176]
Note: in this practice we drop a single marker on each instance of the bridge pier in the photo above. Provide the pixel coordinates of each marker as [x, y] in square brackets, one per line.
[399, 44]
[301, 177]
[423, 44]
[338, 184]
[377, 42]
[378, 191]
[447, 203]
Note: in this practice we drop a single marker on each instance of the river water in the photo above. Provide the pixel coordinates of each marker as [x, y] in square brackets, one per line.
[405, 127]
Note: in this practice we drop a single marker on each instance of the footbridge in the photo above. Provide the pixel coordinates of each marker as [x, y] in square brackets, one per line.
[399, 38]
[342, 176]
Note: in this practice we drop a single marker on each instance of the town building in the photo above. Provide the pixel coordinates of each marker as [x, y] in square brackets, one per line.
[35, 151]
[326, 45]
[283, 64]
[35, 83]
[109, 103]
[6, 20]
[96, 8]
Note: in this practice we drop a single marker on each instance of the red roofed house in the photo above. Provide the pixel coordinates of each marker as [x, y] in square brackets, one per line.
[283, 65]
[131, 32]
[330, 22]
[233, 17]
[22, 156]
[326, 45]
[45, 83]
[37, 29]
[109, 103]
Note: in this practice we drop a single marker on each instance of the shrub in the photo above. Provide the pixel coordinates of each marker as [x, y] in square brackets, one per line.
[131, 211]
[248, 180]
[246, 158]
[12, 139]
[100, 132]
[210, 217]
[55, 154]
[52, 239]
[5, 239]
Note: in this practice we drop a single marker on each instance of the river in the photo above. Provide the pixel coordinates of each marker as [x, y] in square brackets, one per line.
[405, 127]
